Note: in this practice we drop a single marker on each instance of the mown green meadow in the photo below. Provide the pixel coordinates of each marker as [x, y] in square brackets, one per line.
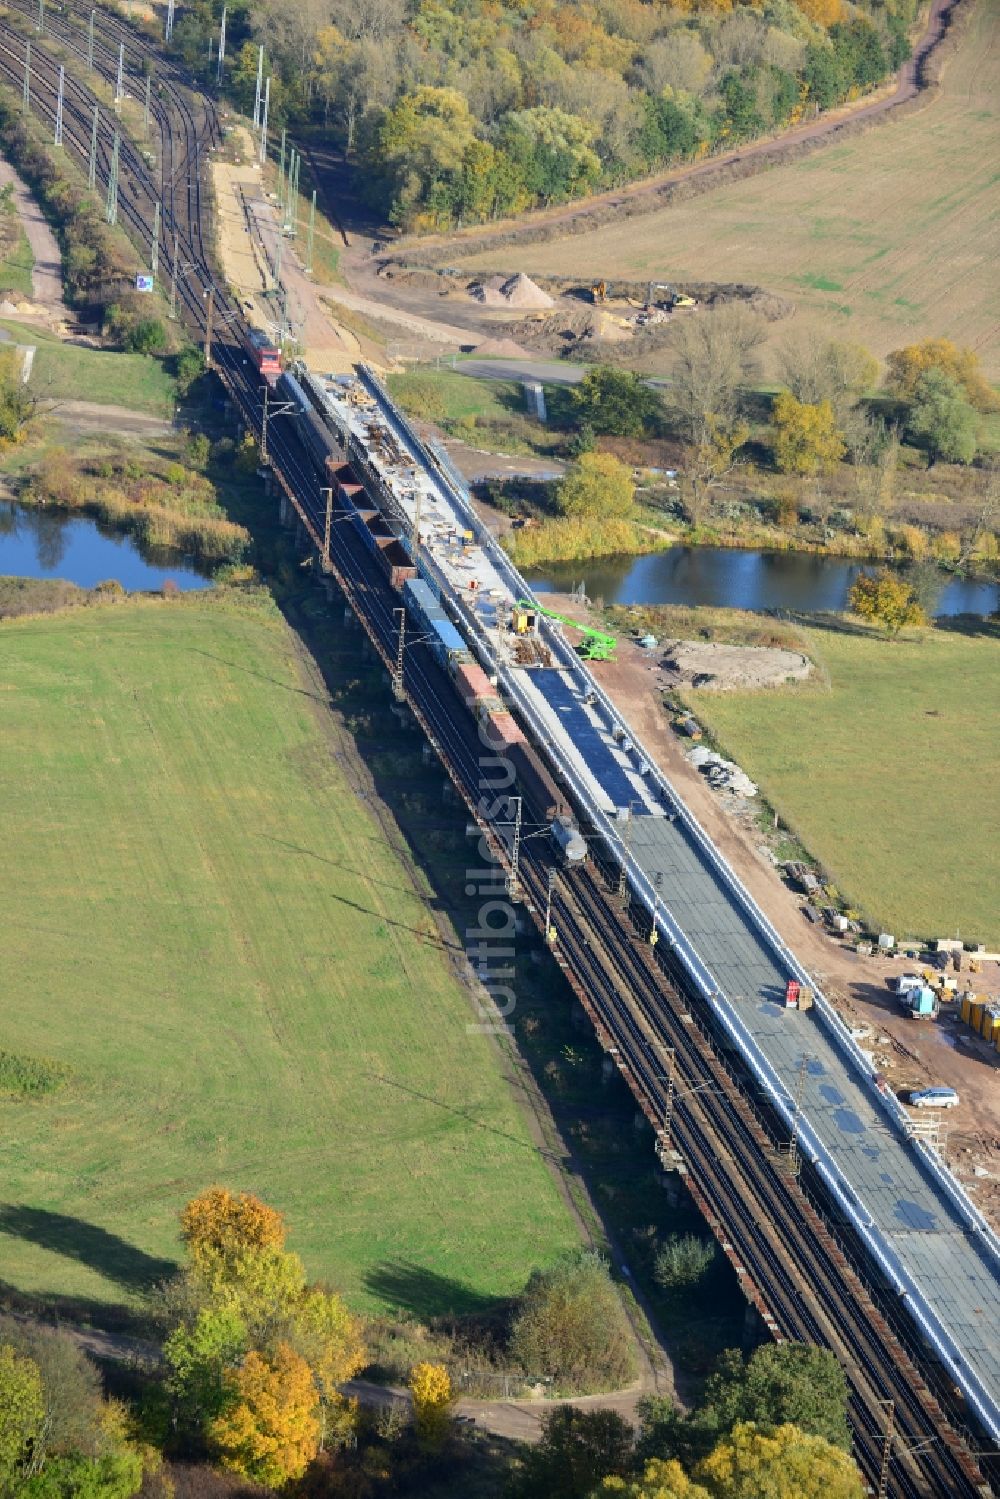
[211, 928]
[66, 372]
[886, 768]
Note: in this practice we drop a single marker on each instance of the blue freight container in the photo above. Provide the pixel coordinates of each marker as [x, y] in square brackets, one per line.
[448, 645]
[423, 601]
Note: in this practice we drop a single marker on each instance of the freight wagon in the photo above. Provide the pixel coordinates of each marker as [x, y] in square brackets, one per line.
[313, 432]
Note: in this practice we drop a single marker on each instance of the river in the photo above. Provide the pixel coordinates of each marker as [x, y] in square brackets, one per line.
[51, 544]
[721, 576]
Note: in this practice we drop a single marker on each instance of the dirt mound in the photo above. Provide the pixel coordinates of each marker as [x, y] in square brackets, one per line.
[521, 291]
[608, 329]
[510, 291]
[500, 348]
[721, 668]
[489, 292]
[21, 308]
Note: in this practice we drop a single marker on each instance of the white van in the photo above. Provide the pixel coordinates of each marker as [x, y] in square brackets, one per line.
[904, 982]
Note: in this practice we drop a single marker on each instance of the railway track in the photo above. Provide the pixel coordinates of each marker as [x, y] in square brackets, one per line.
[782, 1247]
[803, 1282]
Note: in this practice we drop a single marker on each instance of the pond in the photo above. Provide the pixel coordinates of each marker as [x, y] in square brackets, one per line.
[720, 576]
[51, 544]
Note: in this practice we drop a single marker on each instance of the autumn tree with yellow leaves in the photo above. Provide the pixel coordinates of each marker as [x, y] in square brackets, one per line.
[270, 1429]
[825, 13]
[887, 599]
[906, 367]
[806, 439]
[783, 1463]
[430, 1387]
[219, 1228]
[256, 1355]
[660, 1480]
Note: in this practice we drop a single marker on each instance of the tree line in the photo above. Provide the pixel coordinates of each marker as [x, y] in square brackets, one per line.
[254, 1359]
[461, 111]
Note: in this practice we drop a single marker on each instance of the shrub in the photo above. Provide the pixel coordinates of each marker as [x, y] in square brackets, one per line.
[573, 539]
[430, 1386]
[598, 485]
[616, 402]
[30, 1077]
[188, 366]
[571, 1326]
[147, 336]
[913, 541]
[199, 449]
[682, 1260]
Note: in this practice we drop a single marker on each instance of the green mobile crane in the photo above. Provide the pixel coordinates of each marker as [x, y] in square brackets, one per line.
[595, 646]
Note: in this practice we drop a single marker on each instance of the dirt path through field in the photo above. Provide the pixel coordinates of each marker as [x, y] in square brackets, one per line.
[87, 416]
[518, 1420]
[46, 274]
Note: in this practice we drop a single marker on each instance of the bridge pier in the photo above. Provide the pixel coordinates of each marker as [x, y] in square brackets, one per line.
[286, 511]
[751, 1326]
[670, 1183]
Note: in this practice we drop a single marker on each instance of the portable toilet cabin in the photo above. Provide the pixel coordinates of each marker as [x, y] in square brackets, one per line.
[976, 1008]
[923, 1003]
[991, 1022]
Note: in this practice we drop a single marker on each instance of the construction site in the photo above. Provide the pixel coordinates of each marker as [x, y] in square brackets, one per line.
[949, 1034]
[559, 315]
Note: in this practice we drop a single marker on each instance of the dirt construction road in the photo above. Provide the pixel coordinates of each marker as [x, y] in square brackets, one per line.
[46, 273]
[911, 1054]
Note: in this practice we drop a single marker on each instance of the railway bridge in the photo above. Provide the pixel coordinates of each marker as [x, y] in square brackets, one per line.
[859, 1239]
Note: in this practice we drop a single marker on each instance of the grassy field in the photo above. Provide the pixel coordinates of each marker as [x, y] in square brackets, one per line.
[208, 924]
[66, 372]
[135, 381]
[445, 396]
[889, 773]
[17, 262]
[485, 413]
[884, 239]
